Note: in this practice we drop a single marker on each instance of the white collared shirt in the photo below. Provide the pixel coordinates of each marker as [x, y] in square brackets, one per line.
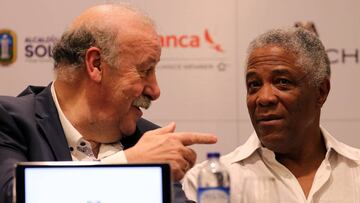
[80, 148]
[336, 180]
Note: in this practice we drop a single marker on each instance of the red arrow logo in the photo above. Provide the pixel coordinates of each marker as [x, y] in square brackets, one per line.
[216, 46]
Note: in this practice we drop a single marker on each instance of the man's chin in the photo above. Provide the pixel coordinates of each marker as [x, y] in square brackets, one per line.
[273, 141]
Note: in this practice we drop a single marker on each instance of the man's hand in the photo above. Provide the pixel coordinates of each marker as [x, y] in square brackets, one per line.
[165, 145]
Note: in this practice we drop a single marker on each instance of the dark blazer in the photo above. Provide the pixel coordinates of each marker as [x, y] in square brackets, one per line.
[30, 130]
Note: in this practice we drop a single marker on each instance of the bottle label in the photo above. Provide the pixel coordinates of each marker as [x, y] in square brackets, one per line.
[213, 195]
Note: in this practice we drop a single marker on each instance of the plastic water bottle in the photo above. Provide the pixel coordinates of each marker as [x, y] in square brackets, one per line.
[213, 181]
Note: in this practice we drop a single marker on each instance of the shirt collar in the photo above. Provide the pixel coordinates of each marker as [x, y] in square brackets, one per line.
[334, 145]
[247, 149]
[253, 143]
[76, 141]
[73, 136]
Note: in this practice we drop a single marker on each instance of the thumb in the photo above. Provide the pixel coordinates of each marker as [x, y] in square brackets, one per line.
[169, 128]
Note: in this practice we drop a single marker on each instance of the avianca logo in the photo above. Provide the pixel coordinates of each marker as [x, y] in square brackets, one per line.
[190, 41]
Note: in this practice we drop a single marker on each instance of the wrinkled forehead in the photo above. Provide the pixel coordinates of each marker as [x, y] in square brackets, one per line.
[270, 55]
[140, 48]
[273, 60]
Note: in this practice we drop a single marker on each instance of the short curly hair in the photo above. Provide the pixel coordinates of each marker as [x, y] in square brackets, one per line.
[310, 52]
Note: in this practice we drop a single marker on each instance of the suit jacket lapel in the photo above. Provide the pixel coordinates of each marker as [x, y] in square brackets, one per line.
[48, 121]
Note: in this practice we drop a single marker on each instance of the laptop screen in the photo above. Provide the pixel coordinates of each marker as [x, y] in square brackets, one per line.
[44, 182]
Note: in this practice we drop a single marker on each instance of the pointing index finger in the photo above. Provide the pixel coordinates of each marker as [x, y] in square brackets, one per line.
[190, 138]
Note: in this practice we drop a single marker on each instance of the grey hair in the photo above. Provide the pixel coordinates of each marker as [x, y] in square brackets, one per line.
[310, 52]
[69, 52]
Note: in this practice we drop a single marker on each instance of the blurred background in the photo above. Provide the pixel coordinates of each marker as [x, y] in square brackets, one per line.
[201, 73]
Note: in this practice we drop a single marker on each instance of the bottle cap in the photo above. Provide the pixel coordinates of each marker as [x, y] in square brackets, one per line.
[213, 155]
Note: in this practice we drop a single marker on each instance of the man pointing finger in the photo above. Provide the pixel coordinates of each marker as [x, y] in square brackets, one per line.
[105, 66]
[163, 144]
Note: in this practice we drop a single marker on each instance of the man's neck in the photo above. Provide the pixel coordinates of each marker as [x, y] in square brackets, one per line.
[308, 155]
[73, 107]
[75, 103]
[304, 163]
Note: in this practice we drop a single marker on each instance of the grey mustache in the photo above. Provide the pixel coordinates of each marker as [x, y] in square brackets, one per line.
[142, 101]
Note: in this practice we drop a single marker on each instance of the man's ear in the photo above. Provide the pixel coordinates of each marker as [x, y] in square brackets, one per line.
[324, 90]
[93, 64]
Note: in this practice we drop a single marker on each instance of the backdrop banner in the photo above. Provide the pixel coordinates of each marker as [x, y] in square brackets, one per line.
[201, 73]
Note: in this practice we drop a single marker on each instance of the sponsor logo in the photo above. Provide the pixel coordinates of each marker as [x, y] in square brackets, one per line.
[343, 56]
[39, 48]
[7, 47]
[191, 41]
[336, 55]
[216, 46]
[202, 41]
